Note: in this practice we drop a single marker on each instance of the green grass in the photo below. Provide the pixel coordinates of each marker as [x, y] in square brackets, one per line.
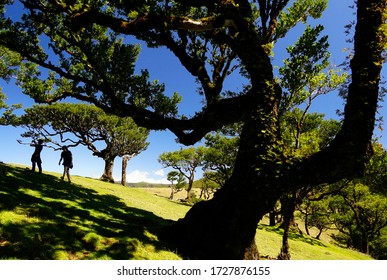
[42, 217]
[302, 247]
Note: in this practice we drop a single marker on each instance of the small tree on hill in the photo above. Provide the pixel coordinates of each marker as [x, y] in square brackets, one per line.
[220, 155]
[185, 161]
[172, 177]
[209, 184]
[359, 215]
[181, 183]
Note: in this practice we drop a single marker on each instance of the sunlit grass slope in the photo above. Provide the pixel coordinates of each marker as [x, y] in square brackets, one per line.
[42, 217]
[302, 247]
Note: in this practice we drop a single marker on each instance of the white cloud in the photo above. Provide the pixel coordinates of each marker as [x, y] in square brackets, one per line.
[159, 172]
[143, 176]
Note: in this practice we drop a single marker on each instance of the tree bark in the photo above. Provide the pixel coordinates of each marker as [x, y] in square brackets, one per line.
[125, 160]
[319, 234]
[189, 187]
[365, 244]
[307, 223]
[289, 206]
[172, 192]
[272, 218]
[108, 171]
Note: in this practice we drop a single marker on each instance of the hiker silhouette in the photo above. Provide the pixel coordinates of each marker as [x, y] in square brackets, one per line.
[35, 158]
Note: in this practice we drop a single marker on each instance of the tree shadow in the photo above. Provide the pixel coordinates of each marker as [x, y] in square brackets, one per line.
[68, 221]
[294, 236]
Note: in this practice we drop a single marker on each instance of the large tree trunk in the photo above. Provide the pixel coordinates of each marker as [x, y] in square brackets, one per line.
[225, 227]
[189, 187]
[172, 192]
[365, 247]
[125, 160]
[108, 170]
[272, 218]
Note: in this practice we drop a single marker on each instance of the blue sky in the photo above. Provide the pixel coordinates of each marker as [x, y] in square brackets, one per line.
[164, 67]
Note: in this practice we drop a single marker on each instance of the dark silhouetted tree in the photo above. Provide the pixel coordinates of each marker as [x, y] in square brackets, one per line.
[88, 60]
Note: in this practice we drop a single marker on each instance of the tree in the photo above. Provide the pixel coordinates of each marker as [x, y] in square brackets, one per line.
[361, 218]
[376, 170]
[304, 77]
[8, 66]
[316, 215]
[307, 73]
[219, 156]
[209, 38]
[315, 206]
[185, 161]
[209, 183]
[124, 165]
[359, 214]
[304, 134]
[172, 177]
[87, 125]
[181, 182]
[356, 207]
[7, 112]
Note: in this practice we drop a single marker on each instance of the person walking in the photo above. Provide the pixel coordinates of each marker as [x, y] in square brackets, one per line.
[67, 158]
[35, 158]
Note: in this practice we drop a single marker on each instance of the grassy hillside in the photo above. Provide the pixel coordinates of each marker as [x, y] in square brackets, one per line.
[302, 247]
[42, 217]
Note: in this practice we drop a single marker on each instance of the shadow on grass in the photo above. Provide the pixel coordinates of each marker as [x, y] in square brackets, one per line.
[293, 235]
[42, 217]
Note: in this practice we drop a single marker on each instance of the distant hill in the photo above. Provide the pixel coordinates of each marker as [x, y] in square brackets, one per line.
[146, 185]
[196, 184]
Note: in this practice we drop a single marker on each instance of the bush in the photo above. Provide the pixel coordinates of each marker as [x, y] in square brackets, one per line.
[378, 248]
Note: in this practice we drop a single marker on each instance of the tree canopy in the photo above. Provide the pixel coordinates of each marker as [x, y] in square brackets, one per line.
[85, 51]
[8, 66]
[106, 136]
[185, 161]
